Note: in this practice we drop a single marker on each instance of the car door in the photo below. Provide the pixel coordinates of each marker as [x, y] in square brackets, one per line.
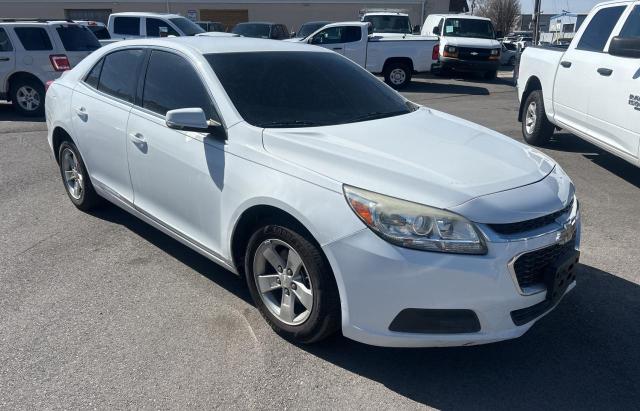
[578, 68]
[7, 58]
[355, 48]
[330, 38]
[100, 109]
[613, 116]
[177, 176]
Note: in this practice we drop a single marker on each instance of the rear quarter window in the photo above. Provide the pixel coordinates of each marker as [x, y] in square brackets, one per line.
[126, 25]
[5, 43]
[77, 38]
[34, 38]
[120, 72]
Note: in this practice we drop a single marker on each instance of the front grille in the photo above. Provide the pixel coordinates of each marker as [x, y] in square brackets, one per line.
[528, 225]
[468, 53]
[530, 268]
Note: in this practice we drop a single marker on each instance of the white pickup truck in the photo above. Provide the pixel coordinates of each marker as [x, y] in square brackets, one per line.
[397, 58]
[591, 88]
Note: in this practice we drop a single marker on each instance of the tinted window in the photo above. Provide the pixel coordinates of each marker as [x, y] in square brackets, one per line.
[126, 25]
[33, 38]
[631, 27]
[100, 32]
[331, 35]
[252, 30]
[468, 28]
[188, 27]
[5, 44]
[352, 34]
[120, 71]
[595, 36]
[94, 75]
[309, 28]
[153, 28]
[389, 24]
[265, 88]
[77, 38]
[164, 90]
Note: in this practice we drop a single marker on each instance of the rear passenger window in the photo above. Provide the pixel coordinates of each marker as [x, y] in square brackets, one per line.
[153, 28]
[631, 27]
[94, 75]
[5, 44]
[597, 33]
[33, 38]
[164, 90]
[120, 71]
[127, 25]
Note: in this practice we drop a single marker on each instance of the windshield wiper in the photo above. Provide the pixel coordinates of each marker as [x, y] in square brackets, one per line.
[289, 123]
[379, 114]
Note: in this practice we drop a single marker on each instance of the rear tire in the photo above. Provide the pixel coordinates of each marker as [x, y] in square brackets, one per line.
[536, 127]
[309, 288]
[397, 75]
[75, 178]
[27, 97]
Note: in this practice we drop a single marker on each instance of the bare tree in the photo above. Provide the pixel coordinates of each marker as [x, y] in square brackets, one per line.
[503, 13]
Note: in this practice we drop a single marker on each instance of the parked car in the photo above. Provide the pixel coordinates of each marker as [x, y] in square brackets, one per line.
[335, 197]
[467, 43]
[591, 89]
[33, 52]
[99, 30]
[308, 28]
[132, 25]
[508, 55]
[211, 26]
[523, 42]
[389, 22]
[262, 30]
[397, 59]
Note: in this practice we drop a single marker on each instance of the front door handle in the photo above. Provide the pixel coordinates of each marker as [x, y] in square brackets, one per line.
[605, 71]
[565, 64]
[138, 138]
[337, 48]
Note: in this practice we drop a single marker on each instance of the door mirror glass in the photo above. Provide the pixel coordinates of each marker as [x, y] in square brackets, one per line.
[188, 119]
[625, 47]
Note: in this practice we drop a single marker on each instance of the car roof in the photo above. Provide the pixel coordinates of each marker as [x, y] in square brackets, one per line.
[246, 23]
[318, 22]
[219, 44]
[386, 13]
[145, 14]
[460, 16]
[35, 21]
[349, 23]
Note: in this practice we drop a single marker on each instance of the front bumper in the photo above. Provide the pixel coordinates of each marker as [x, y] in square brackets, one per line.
[468, 65]
[379, 280]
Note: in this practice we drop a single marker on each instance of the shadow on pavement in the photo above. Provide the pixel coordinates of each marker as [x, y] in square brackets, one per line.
[573, 144]
[585, 354]
[439, 88]
[7, 113]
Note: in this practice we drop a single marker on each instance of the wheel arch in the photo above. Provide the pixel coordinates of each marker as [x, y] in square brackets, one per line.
[533, 83]
[393, 60]
[58, 136]
[18, 75]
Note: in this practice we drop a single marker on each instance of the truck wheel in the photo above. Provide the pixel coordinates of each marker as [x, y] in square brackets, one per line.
[490, 75]
[397, 75]
[536, 127]
[292, 284]
[27, 96]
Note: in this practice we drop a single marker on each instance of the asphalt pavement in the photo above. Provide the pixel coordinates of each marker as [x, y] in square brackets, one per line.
[102, 311]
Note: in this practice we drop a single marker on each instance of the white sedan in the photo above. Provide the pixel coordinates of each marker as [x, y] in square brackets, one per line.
[345, 206]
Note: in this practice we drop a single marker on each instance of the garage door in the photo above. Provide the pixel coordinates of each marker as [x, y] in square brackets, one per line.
[101, 15]
[228, 18]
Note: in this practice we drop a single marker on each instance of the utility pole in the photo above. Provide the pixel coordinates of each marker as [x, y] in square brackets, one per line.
[536, 22]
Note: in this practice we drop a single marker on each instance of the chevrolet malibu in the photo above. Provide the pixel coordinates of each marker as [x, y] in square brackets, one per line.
[343, 205]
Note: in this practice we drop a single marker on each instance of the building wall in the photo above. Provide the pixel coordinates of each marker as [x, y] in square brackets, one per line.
[292, 13]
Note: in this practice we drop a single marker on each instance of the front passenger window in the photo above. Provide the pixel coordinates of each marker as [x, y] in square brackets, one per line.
[332, 35]
[164, 90]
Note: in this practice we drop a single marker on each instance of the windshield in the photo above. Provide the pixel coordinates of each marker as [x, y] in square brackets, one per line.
[252, 30]
[389, 24]
[308, 28]
[265, 88]
[186, 26]
[468, 28]
[78, 38]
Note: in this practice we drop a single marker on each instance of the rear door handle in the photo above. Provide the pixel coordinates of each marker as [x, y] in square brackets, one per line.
[565, 64]
[82, 113]
[337, 48]
[4, 59]
[605, 71]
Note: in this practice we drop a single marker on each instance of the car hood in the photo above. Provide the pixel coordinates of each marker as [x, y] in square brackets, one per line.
[472, 42]
[425, 156]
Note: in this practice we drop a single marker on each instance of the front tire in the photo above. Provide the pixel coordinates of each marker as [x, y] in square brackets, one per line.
[397, 75]
[75, 178]
[27, 97]
[292, 284]
[536, 127]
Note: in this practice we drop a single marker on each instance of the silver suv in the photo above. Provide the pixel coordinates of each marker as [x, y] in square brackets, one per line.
[33, 52]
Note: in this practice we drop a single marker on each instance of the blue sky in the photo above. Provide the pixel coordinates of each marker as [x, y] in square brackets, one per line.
[556, 6]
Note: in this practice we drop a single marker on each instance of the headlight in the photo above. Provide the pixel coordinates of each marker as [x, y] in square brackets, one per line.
[495, 52]
[450, 51]
[413, 225]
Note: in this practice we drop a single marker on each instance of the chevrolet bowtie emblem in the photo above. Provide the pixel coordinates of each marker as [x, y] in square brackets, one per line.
[473, 53]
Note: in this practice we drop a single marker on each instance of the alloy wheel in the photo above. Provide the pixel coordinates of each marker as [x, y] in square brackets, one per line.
[531, 118]
[397, 76]
[73, 179]
[28, 98]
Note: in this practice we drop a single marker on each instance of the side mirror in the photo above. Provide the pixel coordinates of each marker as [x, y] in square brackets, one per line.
[436, 30]
[191, 119]
[625, 47]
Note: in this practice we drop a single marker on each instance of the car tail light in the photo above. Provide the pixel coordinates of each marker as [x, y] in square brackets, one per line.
[435, 54]
[60, 62]
[47, 85]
